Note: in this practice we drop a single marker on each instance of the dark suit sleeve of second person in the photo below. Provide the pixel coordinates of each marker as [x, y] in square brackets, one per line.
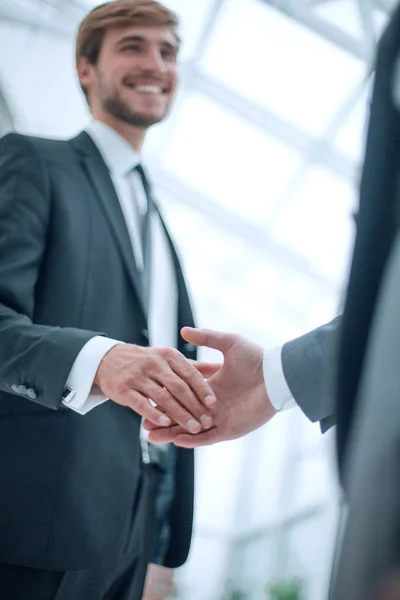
[309, 366]
[34, 355]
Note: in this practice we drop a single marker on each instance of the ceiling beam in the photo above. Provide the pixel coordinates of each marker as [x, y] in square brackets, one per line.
[36, 23]
[317, 24]
[269, 122]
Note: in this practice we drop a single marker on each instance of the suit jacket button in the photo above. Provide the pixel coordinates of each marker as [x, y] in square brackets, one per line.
[22, 390]
[14, 388]
[31, 394]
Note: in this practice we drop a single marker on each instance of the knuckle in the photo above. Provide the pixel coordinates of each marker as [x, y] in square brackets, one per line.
[132, 400]
[170, 353]
[120, 385]
[177, 386]
[129, 399]
[161, 396]
[186, 397]
[236, 339]
[188, 372]
[150, 363]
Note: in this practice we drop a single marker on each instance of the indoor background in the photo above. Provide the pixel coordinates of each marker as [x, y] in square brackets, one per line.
[256, 171]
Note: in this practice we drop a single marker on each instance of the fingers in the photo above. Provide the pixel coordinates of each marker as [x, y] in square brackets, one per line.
[179, 402]
[165, 435]
[207, 370]
[142, 406]
[162, 374]
[149, 425]
[209, 338]
[188, 373]
[184, 440]
[180, 437]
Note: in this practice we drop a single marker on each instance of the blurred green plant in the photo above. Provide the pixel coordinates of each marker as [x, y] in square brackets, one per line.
[278, 590]
[285, 590]
[234, 593]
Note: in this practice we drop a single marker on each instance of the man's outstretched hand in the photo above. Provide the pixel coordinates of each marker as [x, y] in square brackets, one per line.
[129, 375]
[238, 384]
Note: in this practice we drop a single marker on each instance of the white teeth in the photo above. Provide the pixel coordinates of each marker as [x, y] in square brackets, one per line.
[149, 89]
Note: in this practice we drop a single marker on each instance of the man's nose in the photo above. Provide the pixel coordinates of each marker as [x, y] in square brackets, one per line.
[154, 62]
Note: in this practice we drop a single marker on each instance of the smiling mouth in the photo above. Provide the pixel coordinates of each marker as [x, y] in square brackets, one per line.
[153, 90]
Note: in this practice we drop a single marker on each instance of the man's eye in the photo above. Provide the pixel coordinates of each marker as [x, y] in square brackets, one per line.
[133, 47]
[168, 54]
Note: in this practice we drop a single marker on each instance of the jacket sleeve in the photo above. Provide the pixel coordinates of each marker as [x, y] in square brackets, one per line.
[309, 365]
[32, 356]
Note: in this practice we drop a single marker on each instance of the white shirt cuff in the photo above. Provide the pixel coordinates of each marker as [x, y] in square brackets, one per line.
[82, 395]
[278, 390]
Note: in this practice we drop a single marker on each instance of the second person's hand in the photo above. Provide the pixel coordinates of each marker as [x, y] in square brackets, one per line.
[243, 403]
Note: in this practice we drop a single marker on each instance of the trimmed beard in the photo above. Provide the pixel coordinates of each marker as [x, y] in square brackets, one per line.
[119, 109]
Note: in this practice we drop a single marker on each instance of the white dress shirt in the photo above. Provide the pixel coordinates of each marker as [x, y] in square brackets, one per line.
[121, 159]
[277, 388]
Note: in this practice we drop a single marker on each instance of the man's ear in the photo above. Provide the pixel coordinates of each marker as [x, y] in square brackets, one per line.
[85, 72]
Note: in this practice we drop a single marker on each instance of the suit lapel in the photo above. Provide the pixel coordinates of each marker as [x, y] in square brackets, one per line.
[102, 184]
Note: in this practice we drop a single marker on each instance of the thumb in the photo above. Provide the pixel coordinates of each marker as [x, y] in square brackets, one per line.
[209, 338]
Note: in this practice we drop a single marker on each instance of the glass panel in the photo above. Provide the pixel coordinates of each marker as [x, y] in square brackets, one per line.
[350, 139]
[46, 86]
[381, 19]
[222, 156]
[193, 17]
[275, 62]
[200, 577]
[309, 301]
[253, 566]
[234, 285]
[263, 500]
[28, 10]
[318, 222]
[58, 16]
[344, 14]
[311, 438]
[313, 481]
[218, 480]
[309, 550]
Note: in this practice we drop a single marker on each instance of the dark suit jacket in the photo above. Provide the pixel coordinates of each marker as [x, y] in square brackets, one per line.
[68, 483]
[377, 223]
[323, 368]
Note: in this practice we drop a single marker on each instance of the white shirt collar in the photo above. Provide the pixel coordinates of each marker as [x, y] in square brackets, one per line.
[117, 153]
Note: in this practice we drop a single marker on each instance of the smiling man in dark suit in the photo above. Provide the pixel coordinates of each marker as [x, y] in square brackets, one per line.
[89, 279]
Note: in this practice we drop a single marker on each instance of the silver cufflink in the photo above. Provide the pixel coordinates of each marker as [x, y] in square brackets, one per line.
[67, 395]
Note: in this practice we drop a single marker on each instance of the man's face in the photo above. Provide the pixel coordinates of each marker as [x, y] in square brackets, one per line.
[136, 75]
